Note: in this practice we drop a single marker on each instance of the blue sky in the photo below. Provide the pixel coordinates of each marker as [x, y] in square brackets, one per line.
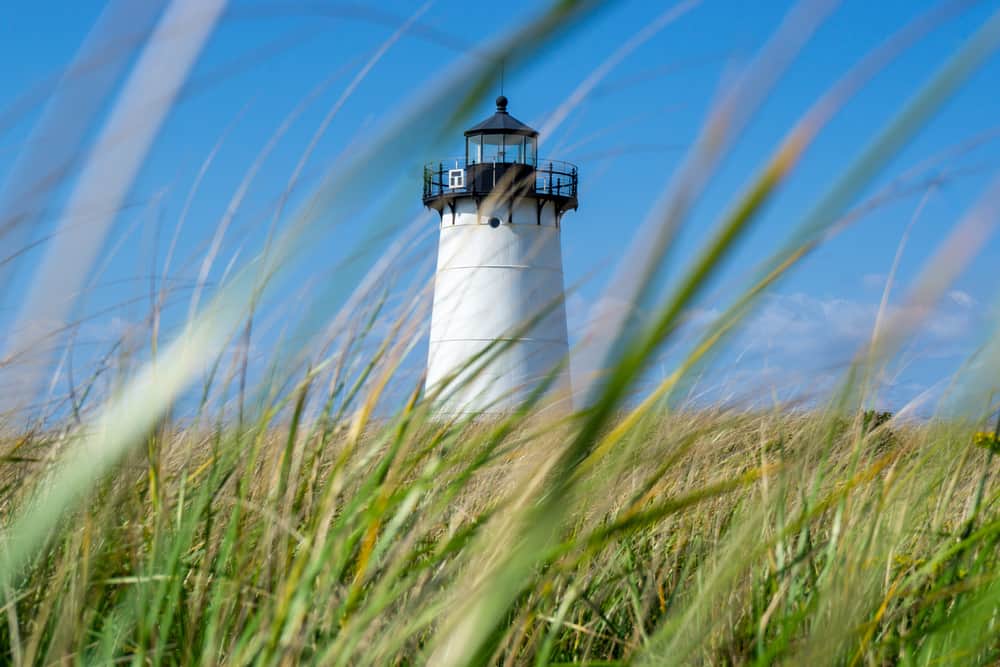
[628, 138]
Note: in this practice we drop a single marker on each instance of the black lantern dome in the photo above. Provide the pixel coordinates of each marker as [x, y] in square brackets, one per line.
[501, 157]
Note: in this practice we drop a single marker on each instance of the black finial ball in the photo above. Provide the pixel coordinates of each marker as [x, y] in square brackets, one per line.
[501, 103]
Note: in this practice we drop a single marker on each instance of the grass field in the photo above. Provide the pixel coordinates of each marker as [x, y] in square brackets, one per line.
[174, 512]
[702, 538]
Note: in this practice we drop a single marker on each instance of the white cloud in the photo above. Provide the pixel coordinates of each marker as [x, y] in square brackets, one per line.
[795, 347]
[963, 299]
[805, 323]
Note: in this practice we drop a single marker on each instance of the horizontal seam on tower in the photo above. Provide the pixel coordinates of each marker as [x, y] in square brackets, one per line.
[501, 266]
[486, 227]
[490, 340]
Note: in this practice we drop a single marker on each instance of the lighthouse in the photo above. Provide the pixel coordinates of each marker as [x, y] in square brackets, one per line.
[498, 290]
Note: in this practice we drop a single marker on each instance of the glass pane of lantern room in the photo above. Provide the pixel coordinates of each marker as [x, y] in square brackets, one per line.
[473, 150]
[492, 148]
[514, 147]
[529, 150]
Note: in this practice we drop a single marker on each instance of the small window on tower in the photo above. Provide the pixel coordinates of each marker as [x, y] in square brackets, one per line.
[456, 179]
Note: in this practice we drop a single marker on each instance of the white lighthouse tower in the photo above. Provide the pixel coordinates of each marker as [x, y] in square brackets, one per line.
[499, 269]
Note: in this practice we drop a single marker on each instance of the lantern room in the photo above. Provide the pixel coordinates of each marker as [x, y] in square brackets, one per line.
[501, 138]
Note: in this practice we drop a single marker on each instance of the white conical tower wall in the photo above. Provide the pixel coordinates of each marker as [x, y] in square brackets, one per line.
[490, 283]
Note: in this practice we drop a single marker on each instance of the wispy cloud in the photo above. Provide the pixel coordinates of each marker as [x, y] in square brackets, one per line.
[963, 299]
[797, 346]
[803, 323]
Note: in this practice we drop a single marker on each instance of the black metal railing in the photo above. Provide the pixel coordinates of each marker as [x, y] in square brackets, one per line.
[545, 178]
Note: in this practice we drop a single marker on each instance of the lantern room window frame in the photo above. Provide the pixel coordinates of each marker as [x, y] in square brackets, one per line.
[506, 148]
